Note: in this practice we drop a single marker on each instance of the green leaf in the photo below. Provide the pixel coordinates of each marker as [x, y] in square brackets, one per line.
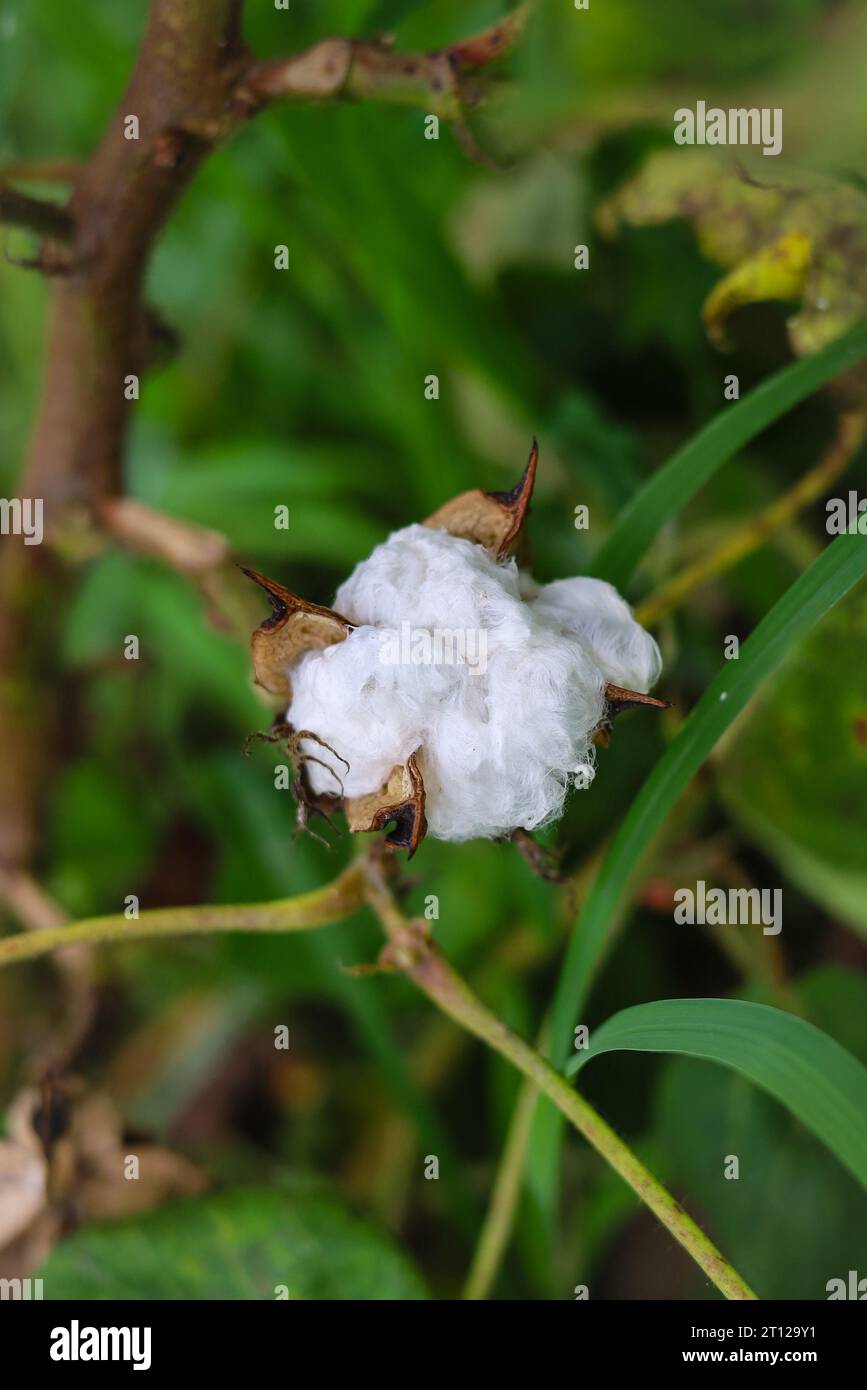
[832, 575]
[672, 486]
[240, 1244]
[810, 1073]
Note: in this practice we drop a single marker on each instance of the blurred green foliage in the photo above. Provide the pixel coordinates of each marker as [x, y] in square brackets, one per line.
[305, 388]
[242, 1244]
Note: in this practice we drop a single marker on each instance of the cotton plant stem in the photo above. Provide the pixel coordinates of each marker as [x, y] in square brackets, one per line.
[42, 170]
[198, 554]
[445, 988]
[21, 895]
[410, 951]
[338, 899]
[34, 215]
[765, 962]
[97, 334]
[743, 541]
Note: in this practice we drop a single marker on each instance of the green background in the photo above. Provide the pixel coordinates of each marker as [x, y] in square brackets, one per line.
[306, 388]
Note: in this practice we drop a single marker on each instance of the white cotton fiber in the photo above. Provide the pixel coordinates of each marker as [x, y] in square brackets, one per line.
[594, 612]
[500, 734]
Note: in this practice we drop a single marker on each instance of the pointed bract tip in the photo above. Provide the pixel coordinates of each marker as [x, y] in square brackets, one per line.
[619, 698]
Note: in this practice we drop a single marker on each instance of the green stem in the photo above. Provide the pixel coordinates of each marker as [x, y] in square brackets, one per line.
[441, 983]
[410, 950]
[338, 899]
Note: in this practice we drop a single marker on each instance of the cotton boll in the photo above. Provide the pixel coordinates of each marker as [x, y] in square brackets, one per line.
[594, 612]
[498, 738]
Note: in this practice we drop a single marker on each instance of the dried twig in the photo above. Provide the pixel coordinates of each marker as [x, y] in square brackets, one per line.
[35, 215]
[371, 70]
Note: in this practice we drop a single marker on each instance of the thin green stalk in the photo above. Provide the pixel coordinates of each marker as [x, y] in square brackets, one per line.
[343, 896]
[410, 950]
[447, 989]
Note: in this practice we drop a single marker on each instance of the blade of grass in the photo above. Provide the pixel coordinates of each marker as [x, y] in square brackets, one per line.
[840, 566]
[799, 1065]
[671, 487]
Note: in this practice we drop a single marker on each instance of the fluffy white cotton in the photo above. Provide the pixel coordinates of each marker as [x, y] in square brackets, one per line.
[496, 682]
[594, 613]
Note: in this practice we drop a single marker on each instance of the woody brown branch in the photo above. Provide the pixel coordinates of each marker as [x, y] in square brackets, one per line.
[193, 84]
[97, 335]
[42, 170]
[120, 201]
[35, 215]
